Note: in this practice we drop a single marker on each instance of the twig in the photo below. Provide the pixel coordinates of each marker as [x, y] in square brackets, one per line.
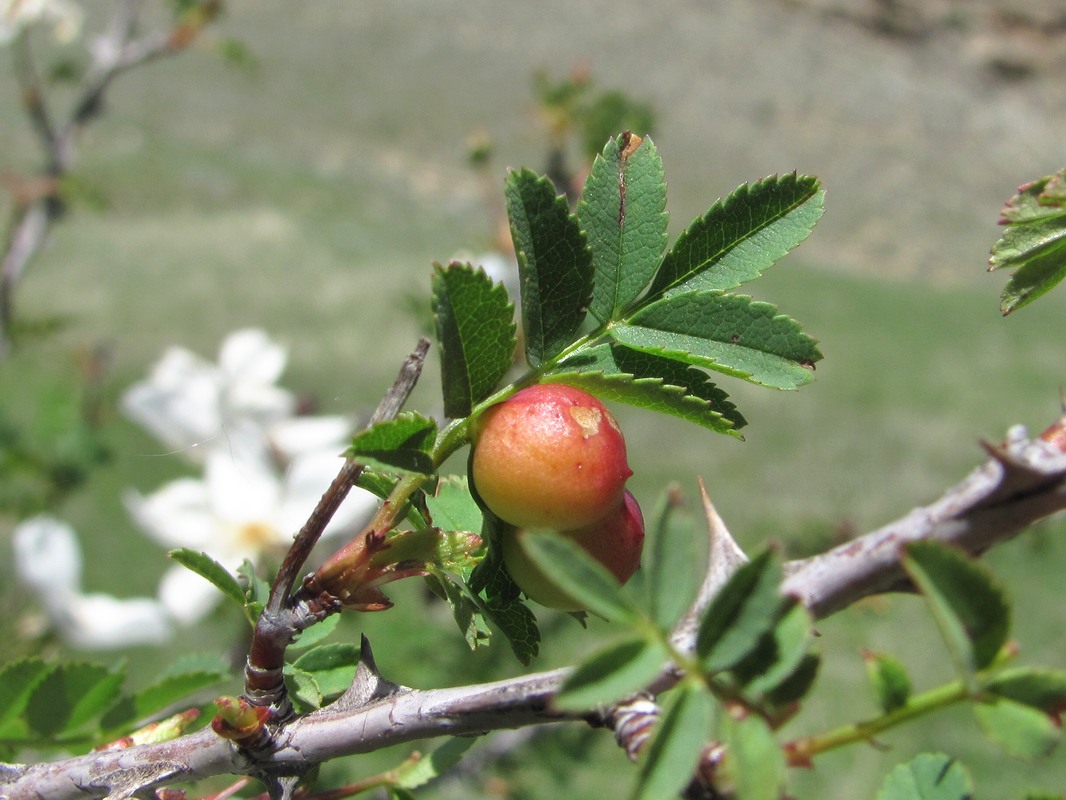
[1022, 482]
[308, 536]
[280, 621]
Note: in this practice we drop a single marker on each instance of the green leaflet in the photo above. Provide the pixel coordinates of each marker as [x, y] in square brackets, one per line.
[452, 507]
[889, 679]
[414, 773]
[741, 614]
[18, 681]
[1044, 689]
[928, 776]
[670, 759]
[1034, 242]
[756, 762]
[165, 692]
[650, 382]
[728, 333]
[674, 560]
[501, 604]
[1022, 731]
[741, 235]
[316, 634]
[517, 623]
[789, 674]
[611, 674]
[554, 265]
[969, 606]
[331, 665]
[580, 576]
[476, 334]
[403, 444]
[623, 211]
[211, 571]
[70, 696]
[465, 610]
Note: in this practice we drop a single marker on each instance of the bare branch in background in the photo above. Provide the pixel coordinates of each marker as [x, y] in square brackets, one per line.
[32, 218]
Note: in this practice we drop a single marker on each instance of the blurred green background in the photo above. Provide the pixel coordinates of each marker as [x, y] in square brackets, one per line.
[310, 194]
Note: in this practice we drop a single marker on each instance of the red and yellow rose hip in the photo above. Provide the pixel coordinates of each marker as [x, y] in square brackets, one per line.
[616, 542]
[551, 456]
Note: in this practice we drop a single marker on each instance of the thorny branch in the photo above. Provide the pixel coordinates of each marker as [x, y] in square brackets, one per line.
[1022, 481]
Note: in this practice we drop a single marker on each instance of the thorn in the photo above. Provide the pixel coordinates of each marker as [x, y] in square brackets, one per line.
[725, 554]
[368, 684]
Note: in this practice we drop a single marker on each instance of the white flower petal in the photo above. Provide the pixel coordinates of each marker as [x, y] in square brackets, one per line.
[180, 402]
[303, 435]
[186, 596]
[103, 622]
[48, 557]
[258, 403]
[242, 481]
[177, 515]
[251, 356]
[66, 18]
[306, 480]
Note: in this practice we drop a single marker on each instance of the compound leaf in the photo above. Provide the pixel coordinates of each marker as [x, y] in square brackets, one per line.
[1034, 242]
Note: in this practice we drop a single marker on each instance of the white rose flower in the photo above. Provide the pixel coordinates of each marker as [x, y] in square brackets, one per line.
[48, 560]
[65, 17]
[241, 509]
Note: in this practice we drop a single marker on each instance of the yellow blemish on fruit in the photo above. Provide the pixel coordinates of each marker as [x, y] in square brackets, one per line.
[587, 418]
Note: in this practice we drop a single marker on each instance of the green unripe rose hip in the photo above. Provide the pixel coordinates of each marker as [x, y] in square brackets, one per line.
[550, 456]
